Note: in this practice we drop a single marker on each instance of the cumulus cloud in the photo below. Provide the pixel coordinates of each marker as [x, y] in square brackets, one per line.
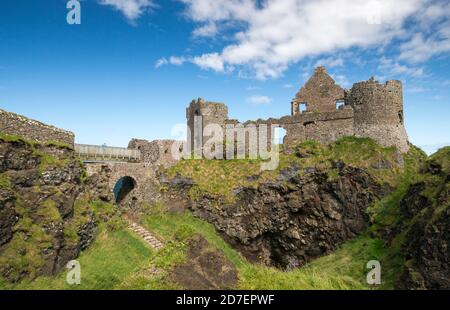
[132, 9]
[273, 34]
[432, 33]
[210, 61]
[393, 67]
[330, 62]
[207, 30]
[259, 100]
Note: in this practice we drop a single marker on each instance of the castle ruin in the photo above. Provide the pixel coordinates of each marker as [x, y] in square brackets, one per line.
[321, 111]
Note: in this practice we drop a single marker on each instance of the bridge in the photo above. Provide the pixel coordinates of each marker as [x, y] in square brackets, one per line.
[126, 173]
[100, 153]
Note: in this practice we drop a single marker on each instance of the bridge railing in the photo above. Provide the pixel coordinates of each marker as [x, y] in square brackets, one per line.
[107, 153]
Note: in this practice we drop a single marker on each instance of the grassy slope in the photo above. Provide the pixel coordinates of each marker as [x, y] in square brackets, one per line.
[344, 269]
[119, 260]
[220, 177]
[112, 257]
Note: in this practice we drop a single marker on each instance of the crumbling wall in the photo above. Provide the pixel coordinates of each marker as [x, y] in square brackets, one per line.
[324, 127]
[210, 113]
[320, 93]
[14, 124]
[378, 110]
[156, 153]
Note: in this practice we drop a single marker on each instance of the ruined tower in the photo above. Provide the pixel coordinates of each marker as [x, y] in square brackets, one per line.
[200, 114]
[378, 112]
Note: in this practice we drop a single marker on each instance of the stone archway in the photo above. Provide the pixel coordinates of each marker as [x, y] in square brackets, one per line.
[126, 183]
[123, 187]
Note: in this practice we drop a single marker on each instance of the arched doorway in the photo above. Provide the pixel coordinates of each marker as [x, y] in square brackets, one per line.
[123, 187]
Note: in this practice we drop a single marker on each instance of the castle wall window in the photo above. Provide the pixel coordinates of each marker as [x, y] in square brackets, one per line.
[302, 107]
[340, 104]
[279, 135]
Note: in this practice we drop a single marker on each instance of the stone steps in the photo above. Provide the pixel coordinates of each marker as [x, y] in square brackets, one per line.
[146, 235]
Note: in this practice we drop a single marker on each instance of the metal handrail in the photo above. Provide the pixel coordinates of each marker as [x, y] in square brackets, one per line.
[107, 152]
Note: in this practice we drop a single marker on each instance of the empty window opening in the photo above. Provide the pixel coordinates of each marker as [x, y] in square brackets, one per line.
[279, 135]
[123, 187]
[302, 107]
[340, 104]
[400, 116]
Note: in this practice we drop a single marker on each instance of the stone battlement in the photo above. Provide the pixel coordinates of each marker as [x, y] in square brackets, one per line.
[15, 124]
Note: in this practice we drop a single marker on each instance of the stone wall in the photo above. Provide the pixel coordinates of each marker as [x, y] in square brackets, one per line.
[320, 93]
[378, 110]
[210, 113]
[155, 153]
[14, 124]
[324, 127]
[370, 110]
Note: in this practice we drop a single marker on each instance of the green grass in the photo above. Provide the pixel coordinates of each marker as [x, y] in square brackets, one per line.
[344, 269]
[221, 177]
[120, 260]
[112, 257]
[58, 144]
[5, 182]
[12, 138]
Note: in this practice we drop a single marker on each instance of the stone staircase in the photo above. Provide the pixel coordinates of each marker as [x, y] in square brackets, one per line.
[146, 235]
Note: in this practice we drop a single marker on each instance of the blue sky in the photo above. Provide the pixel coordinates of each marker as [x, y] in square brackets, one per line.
[131, 67]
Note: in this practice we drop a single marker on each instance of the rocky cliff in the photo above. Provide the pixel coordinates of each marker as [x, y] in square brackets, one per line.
[314, 202]
[295, 219]
[425, 224]
[45, 220]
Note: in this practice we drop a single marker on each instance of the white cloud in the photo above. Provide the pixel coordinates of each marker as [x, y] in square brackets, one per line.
[273, 34]
[209, 61]
[161, 62]
[393, 67]
[259, 100]
[173, 60]
[421, 48]
[252, 88]
[132, 9]
[431, 34]
[330, 62]
[177, 61]
[207, 30]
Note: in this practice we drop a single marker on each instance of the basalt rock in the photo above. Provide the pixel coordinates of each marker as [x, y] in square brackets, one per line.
[288, 222]
[426, 210]
[39, 185]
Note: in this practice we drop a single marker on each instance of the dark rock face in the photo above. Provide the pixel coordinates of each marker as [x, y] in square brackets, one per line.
[295, 219]
[98, 184]
[206, 269]
[38, 189]
[7, 215]
[427, 241]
